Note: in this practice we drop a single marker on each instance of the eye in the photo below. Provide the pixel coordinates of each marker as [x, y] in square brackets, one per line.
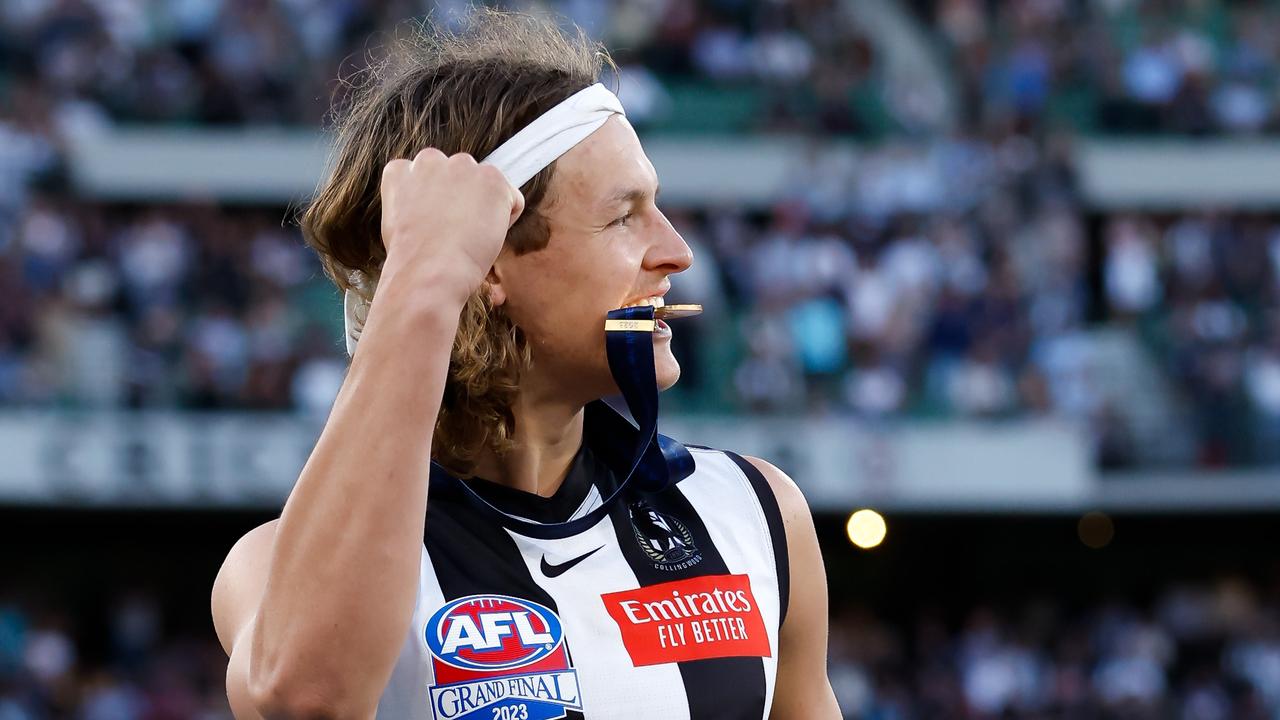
[622, 220]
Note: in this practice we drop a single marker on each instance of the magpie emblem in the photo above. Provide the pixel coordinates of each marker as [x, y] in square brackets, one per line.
[665, 540]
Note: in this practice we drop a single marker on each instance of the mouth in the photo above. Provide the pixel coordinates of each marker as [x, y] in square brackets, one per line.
[655, 301]
[662, 330]
[662, 312]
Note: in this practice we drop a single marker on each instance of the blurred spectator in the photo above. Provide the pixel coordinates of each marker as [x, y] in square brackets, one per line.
[1131, 274]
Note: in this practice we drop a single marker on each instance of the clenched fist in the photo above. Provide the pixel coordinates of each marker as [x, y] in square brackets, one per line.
[446, 218]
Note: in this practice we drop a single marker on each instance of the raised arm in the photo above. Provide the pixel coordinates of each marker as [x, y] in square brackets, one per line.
[803, 691]
[314, 608]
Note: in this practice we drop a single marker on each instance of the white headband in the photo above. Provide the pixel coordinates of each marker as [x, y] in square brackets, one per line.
[524, 155]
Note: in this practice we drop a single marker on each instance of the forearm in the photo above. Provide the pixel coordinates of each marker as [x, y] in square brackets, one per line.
[344, 566]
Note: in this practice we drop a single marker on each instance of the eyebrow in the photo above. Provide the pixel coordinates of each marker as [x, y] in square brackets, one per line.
[631, 195]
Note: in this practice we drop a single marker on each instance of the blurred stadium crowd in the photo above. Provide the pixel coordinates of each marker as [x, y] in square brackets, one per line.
[941, 274]
[141, 672]
[1191, 67]
[1197, 652]
[1162, 66]
[222, 62]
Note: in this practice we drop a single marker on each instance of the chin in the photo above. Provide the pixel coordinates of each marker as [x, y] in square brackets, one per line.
[667, 371]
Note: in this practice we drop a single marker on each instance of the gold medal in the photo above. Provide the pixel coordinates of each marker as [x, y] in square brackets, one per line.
[675, 312]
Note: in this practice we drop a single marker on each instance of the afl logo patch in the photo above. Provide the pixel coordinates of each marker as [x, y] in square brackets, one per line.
[493, 632]
[497, 656]
[665, 540]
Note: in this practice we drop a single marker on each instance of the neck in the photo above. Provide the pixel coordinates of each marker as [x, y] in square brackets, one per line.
[548, 436]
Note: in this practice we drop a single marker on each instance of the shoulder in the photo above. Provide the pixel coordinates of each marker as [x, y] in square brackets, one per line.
[791, 502]
[766, 478]
[800, 538]
[240, 582]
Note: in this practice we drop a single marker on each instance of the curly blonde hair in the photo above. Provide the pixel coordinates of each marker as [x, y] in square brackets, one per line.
[465, 89]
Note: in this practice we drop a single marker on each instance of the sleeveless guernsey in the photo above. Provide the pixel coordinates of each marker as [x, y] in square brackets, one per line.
[669, 607]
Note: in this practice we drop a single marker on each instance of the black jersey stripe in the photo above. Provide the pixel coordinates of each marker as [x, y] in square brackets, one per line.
[472, 555]
[728, 688]
[777, 530]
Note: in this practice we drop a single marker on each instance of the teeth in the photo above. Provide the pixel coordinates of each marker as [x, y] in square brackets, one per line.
[656, 302]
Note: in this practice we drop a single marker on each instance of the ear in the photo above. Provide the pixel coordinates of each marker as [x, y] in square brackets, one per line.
[493, 282]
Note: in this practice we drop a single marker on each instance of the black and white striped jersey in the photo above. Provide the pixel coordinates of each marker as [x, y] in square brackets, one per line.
[669, 607]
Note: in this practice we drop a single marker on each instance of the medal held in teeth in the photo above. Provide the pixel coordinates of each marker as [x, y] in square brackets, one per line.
[661, 311]
[675, 312]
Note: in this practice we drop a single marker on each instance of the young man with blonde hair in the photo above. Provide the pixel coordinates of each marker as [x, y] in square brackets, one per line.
[475, 534]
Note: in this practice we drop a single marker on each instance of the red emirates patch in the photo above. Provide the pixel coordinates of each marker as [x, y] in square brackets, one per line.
[705, 617]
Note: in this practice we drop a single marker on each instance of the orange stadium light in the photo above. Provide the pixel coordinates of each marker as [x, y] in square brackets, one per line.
[1096, 530]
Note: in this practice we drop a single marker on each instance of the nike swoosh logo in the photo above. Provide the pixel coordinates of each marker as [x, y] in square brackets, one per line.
[557, 570]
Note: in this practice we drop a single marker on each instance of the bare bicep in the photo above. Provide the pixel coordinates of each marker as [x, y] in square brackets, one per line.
[238, 588]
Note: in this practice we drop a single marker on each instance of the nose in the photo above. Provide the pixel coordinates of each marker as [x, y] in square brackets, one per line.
[669, 253]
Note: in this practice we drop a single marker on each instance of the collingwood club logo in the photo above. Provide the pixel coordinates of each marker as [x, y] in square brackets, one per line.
[665, 540]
